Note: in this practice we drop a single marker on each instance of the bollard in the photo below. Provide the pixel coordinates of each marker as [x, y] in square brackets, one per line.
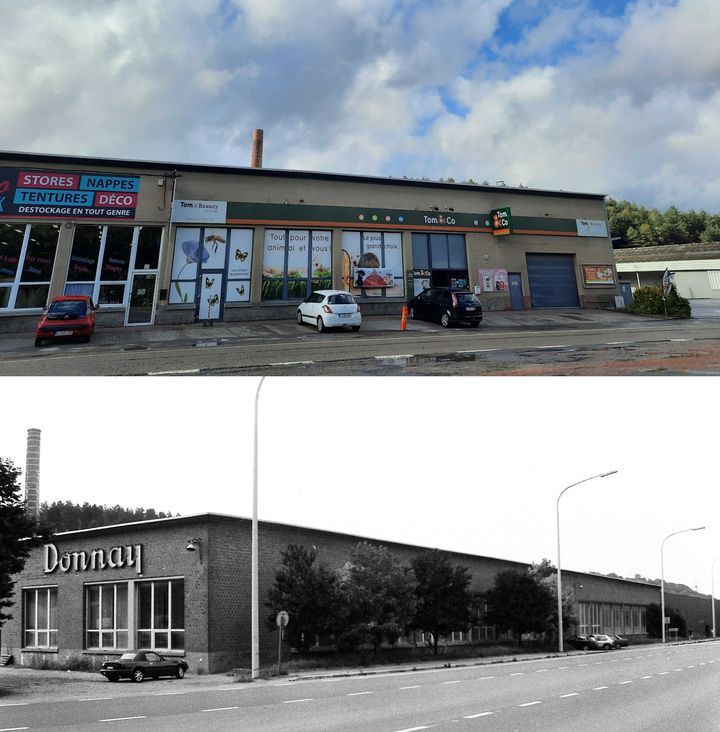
[403, 318]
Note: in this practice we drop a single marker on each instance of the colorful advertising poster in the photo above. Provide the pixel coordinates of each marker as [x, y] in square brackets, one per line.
[207, 212]
[494, 280]
[421, 281]
[501, 221]
[598, 274]
[373, 265]
[590, 227]
[240, 260]
[58, 194]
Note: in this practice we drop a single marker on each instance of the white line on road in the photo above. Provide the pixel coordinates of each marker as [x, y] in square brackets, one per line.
[583, 664]
[480, 350]
[121, 719]
[172, 693]
[680, 340]
[459, 681]
[359, 693]
[518, 673]
[678, 669]
[481, 714]
[395, 355]
[295, 701]
[96, 698]
[541, 670]
[566, 345]
[220, 709]
[663, 673]
[625, 682]
[483, 678]
[412, 729]
[599, 688]
[12, 729]
[173, 373]
[15, 704]
[402, 688]
[530, 704]
[617, 343]
[565, 696]
[291, 363]
[647, 677]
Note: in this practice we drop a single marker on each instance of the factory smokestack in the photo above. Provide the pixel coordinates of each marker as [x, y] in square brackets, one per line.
[257, 149]
[32, 473]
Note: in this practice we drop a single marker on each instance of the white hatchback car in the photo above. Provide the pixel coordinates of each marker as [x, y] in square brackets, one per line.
[330, 309]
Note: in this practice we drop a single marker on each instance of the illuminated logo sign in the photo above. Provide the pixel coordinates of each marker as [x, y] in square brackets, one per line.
[501, 220]
[67, 195]
[116, 557]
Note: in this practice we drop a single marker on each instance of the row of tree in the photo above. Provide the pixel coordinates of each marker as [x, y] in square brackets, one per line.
[69, 516]
[641, 226]
[373, 599]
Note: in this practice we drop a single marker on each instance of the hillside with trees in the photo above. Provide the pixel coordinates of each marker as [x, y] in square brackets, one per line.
[69, 516]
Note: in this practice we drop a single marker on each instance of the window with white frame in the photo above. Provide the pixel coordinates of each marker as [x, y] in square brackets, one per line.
[27, 257]
[40, 617]
[161, 615]
[103, 258]
[106, 615]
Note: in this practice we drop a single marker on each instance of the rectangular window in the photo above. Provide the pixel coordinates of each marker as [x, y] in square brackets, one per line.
[161, 615]
[40, 618]
[27, 257]
[439, 251]
[373, 263]
[295, 263]
[106, 615]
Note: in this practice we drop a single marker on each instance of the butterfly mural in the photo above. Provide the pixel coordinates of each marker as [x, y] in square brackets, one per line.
[242, 256]
[209, 282]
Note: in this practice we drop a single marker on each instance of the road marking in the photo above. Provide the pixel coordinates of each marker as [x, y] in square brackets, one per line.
[646, 677]
[565, 696]
[483, 678]
[359, 693]
[173, 373]
[219, 709]
[295, 701]
[480, 350]
[518, 673]
[481, 714]
[625, 682]
[599, 688]
[121, 719]
[173, 693]
[459, 681]
[617, 343]
[530, 704]
[15, 704]
[567, 345]
[680, 340]
[291, 363]
[560, 668]
[402, 688]
[663, 673]
[540, 670]
[12, 729]
[396, 355]
[678, 669]
[412, 729]
[97, 698]
[597, 663]
[583, 664]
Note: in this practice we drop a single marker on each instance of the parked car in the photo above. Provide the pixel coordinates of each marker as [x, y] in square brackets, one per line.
[138, 665]
[447, 306]
[620, 642]
[582, 642]
[604, 642]
[330, 309]
[67, 316]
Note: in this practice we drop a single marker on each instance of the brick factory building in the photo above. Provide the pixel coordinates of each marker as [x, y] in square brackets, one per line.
[181, 586]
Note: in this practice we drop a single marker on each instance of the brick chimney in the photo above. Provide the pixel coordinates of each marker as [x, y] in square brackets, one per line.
[32, 473]
[257, 149]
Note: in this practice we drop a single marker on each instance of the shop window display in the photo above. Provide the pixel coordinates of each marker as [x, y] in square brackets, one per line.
[296, 263]
[373, 264]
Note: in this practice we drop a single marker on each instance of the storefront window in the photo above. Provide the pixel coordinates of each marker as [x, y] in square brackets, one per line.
[40, 618]
[106, 617]
[373, 263]
[161, 615]
[295, 263]
[27, 257]
[148, 247]
[444, 256]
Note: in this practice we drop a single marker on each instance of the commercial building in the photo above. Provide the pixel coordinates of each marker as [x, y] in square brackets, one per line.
[157, 242]
[93, 593]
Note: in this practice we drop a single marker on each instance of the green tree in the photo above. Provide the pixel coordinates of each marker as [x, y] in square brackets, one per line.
[69, 516]
[545, 572]
[378, 597]
[307, 592]
[519, 602]
[19, 533]
[711, 232]
[442, 594]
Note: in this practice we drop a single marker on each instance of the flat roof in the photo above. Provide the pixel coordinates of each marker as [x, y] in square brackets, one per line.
[155, 165]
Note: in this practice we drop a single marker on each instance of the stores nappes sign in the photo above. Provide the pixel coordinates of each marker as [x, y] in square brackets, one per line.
[58, 194]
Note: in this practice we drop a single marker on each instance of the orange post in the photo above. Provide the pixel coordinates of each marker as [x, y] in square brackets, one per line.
[403, 318]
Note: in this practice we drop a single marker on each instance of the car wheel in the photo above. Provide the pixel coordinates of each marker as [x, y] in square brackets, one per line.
[86, 339]
[411, 313]
[585, 647]
[179, 672]
[356, 328]
[320, 325]
[138, 675]
[299, 318]
[38, 342]
[445, 320]
[607, 647]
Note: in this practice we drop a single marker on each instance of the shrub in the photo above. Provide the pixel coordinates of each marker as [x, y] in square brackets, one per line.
[648, 301]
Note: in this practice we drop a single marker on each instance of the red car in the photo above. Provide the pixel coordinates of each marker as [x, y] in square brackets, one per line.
[71, 316]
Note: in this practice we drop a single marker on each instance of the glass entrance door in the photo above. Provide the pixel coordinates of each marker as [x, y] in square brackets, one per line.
[141, 308]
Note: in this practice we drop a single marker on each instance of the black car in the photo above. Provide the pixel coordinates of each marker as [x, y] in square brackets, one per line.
[447, 306]
[138, 665]
[620, 642]
[582, 642]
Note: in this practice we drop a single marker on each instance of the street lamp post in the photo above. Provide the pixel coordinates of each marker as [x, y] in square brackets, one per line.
[712, 596]
[559, 579]
[254, 599]
[662, 575]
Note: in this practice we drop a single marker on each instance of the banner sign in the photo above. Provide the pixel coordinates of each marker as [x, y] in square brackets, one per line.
[204, 212]
[598, 274]
[494, 280]
[58, 194]
[588, 227]
[501, 219]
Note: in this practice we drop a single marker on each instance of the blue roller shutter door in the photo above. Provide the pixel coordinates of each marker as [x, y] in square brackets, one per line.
[552, 281]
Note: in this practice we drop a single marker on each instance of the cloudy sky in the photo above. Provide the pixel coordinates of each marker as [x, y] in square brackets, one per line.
[609, 96]
[468, 464]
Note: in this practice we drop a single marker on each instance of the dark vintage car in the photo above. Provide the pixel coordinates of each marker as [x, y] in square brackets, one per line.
[620, 642]
[582, 642]
[138, 665]
[447, 306]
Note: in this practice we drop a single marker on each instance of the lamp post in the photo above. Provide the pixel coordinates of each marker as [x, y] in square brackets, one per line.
[254, 599]
[559, 579]
[662, 575]
[712, 596]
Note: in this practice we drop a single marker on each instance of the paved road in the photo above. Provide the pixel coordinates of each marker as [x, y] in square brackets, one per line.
[644, 688]
[574, 341]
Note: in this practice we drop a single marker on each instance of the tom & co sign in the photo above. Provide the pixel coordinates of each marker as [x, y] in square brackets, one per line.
[501, 219]
[117, 557]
